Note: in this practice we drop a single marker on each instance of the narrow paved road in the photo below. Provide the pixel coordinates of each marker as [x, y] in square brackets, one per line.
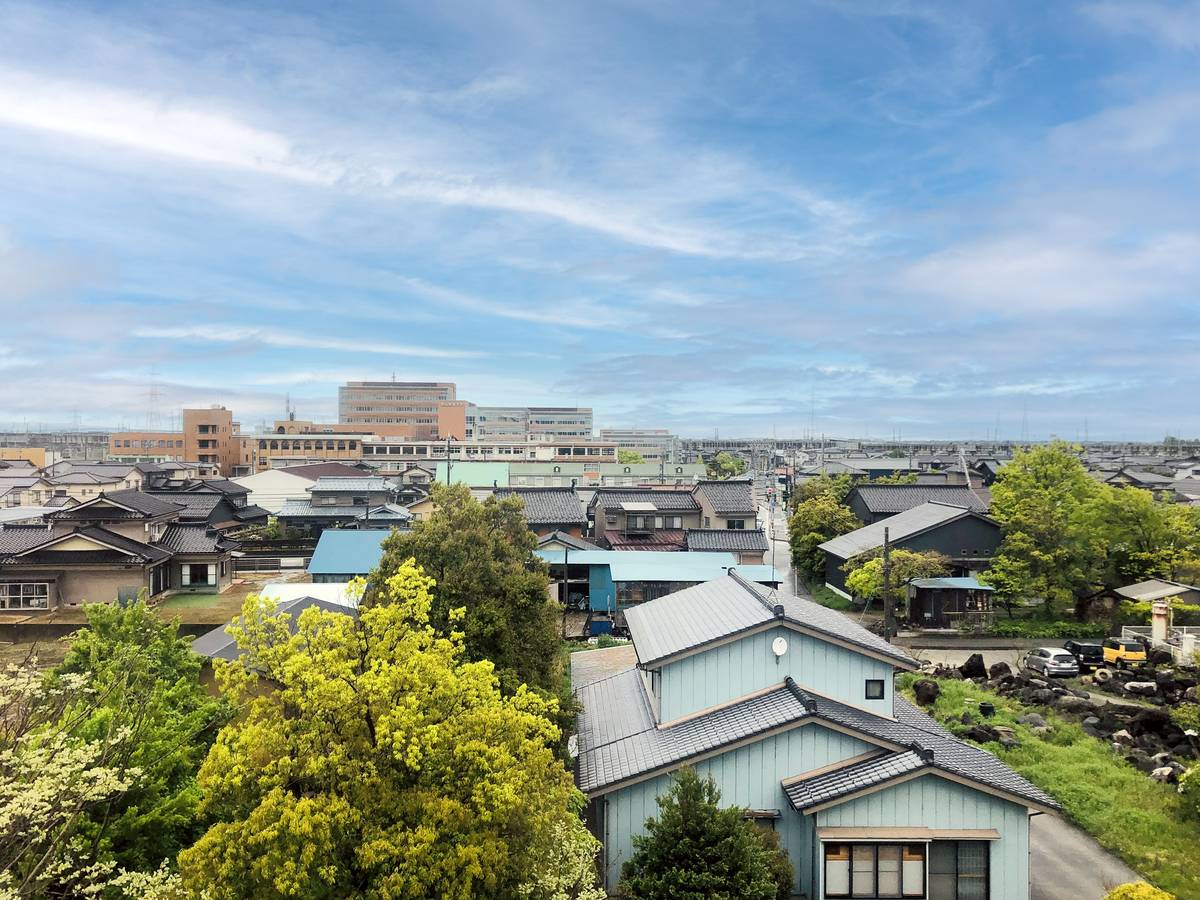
[1065, 862]
[780, 553]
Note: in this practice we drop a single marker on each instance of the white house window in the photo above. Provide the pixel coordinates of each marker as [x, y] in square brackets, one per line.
[25, 595]
[879, 871]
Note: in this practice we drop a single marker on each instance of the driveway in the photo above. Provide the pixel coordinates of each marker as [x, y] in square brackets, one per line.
[1065, 862]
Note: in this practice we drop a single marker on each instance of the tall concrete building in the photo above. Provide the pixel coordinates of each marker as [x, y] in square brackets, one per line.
[423, 410]
[211, 436]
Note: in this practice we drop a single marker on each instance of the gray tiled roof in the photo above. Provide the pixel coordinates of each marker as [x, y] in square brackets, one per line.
[18, 538]
[618, 739]
[569, 540]
[146, 504]
[900, 526]
[727, 539]
[195, 505]
[729, 497]
[896, 498]
[147, 552]
[716, 609]
[219, 644]
[548, 505]
[664, 501]
[193, 539]
[831, 785]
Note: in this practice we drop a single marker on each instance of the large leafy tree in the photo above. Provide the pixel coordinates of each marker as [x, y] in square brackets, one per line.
[1140, 535]
[372, 759]
[835, 486]
[629, 457]
[482, 559]
[136, 665]
[726, 465]
[696, 849]
[813, 523]
[866, 572]
[1048, 551]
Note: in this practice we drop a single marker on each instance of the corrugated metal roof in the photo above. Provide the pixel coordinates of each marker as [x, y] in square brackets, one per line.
[1154, 589]
[337, 484]
[347, 552]
[716, 609]
[962, 584]
[900, 526]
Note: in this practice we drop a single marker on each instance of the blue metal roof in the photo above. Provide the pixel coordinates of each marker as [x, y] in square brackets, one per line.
[347, 552]
[968, 584]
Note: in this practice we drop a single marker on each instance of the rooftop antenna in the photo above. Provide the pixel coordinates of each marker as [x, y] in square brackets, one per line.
[152, 400]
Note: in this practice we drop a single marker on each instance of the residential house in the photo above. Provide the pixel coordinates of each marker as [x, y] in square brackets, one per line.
[1141, 478]
[967, 538]
[750, 546]
[726, 504]
[550, 510]
[875, 502]
[114, 546]
[273, 488]
[791, 708]
[643, 519]
[339, 502]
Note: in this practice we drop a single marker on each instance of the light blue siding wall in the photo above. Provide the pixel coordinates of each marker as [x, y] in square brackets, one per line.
[934, 802]
[747, 777]
[602, 593]
[741, 667]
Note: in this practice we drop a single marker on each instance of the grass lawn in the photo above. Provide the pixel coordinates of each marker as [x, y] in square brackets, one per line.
[823, 595]
[1137, 819]
[190, 601]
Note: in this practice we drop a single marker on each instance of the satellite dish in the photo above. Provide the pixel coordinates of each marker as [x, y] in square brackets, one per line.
[779, 646]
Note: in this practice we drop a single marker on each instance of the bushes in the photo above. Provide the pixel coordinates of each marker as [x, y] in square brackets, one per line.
[1137, 891]
[1131, 613]
[1046, 628]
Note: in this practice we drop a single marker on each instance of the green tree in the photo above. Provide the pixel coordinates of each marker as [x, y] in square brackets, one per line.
[695, 849]
[835, 486]
[482, 559]
[866, 573]
[137, 666]
[373, 759]
[1140, 536]
[1048, 550]
[630, 457]
[726, 465]
[813, 523]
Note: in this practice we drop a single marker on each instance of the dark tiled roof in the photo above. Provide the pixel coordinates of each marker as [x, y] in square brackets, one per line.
[730, 540]
[896, 498]
[548, 505]
[142, 504]
[196, 507]
[219, 644]
[664, 501]
[193, 539]
[219, 485]
[250, 512]
[717, 609]
[831, 785]
[147, 552]
[729, 497]
[569, 540]
[17, 538]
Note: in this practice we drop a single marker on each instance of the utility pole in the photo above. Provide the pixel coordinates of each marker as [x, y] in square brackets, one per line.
[889, 602]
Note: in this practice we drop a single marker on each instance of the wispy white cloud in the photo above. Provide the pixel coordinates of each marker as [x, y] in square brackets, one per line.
[229, 333]
[1174, 24]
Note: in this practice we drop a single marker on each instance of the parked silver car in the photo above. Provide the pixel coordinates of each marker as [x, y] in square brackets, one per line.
[1051, 661]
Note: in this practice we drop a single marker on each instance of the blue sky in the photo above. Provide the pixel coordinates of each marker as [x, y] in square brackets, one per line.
[932, 220]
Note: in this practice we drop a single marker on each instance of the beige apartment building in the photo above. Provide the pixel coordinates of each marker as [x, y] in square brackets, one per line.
[145, 446]
[426, 410]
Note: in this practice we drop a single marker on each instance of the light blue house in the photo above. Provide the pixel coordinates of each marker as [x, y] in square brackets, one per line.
[791, 708]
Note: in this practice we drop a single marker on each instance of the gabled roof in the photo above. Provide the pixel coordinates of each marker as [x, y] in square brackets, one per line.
[696, 616]
[101, 536]
[619, 740]
[730, 540]
[313, 471]
[16, 538]
[195, 506]
[331, 484]
[219, 643]
[677, 500]
[1155, 589]
[896, 498]
[194, 539]
[548, 505]
[562, 537]
[132, 504]
[729, 497]
[958, 584]
[900, 527]
[219, 485]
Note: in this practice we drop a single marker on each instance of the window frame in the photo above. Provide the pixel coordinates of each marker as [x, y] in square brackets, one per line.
[869, 684]
[903, 847]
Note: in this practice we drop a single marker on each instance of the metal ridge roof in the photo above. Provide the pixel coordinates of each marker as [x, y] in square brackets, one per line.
[900, 526]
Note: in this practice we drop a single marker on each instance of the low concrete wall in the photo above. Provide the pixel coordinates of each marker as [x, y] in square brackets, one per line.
[961, 642]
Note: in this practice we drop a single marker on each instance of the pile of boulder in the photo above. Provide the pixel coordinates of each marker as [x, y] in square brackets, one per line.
[1145, 736]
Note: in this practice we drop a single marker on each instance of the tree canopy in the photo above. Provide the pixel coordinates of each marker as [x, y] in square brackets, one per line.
[629, 457]
[866, 572]
[726, 465]
[695, 849]
[813, 523]
[482, 559]
[372, 758]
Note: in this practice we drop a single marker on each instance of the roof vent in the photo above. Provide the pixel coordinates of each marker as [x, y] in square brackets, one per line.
[778, 610]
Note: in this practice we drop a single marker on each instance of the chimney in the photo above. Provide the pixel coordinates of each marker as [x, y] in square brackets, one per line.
[1160, 622]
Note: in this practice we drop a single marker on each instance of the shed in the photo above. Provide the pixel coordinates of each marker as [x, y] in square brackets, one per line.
[345, 554]
[946, 602]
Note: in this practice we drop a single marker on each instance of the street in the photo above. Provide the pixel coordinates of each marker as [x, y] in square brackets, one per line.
[774, 522]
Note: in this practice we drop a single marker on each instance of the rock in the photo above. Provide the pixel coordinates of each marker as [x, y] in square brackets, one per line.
[1141, 688]
[1122, 737]
[1192, 694]
[982, 734]
[1040, 730]
[1141, 761]
[1034, 720]
[1078, 704]
[1090, 721]
[996, 670]
[926, 691]
[1164, 773]
[1161, 759]
[967, 718]
[1100, 676]
[1006, 736]
[1153, 721]
[1159, 657]
[974, 667]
